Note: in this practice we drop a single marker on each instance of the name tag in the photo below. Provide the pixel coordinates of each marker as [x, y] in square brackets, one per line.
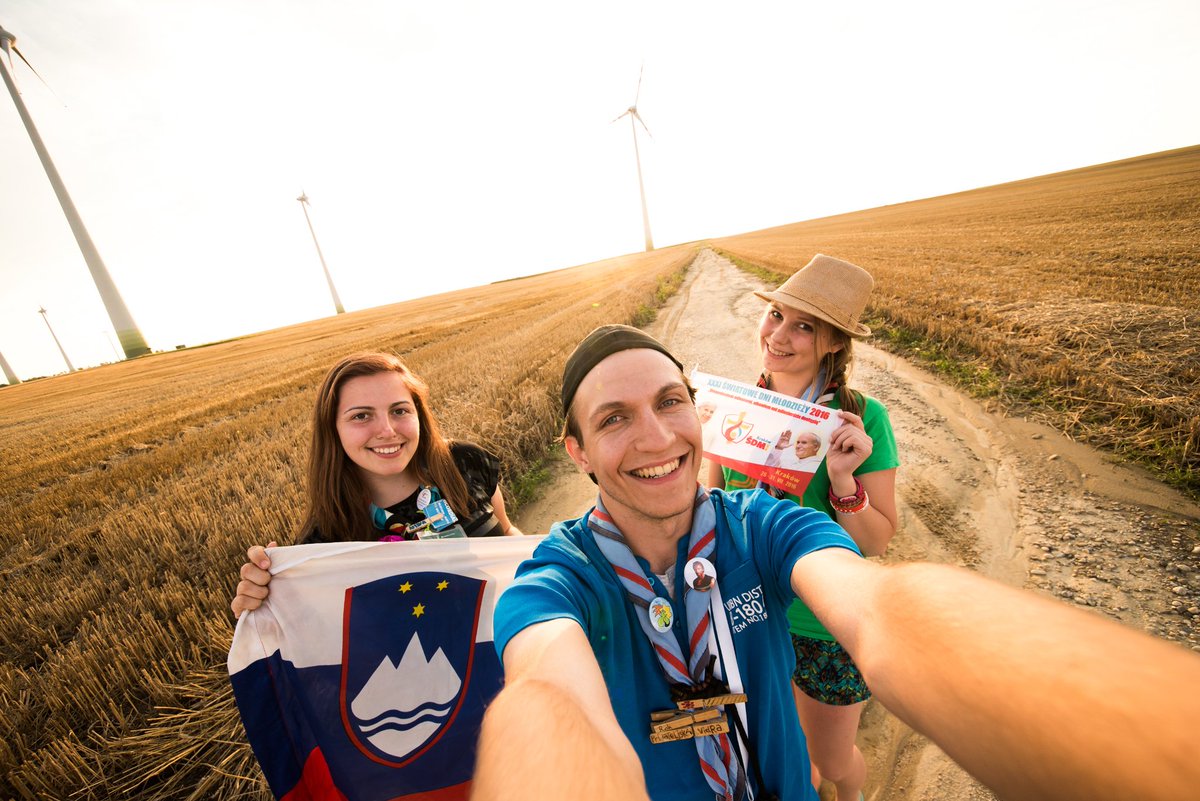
[686, 725]
[454, 532]
[719, 726]
[716, 700]
[438, 517]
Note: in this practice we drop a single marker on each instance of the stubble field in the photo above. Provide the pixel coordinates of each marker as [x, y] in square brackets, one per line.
[1074, 297]
[131, 491]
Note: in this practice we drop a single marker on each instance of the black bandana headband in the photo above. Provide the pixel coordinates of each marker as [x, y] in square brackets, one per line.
[598, 346]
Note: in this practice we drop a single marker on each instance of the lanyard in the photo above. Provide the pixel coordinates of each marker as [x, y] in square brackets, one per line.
[386, 521]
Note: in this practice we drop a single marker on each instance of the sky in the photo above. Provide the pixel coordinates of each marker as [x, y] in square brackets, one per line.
[450, 144]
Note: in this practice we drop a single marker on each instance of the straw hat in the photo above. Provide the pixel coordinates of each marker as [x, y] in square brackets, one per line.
[834, 290]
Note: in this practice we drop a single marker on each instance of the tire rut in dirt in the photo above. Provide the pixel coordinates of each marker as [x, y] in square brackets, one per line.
[940, 517]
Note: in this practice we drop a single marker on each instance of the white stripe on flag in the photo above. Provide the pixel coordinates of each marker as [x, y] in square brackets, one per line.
[309, 584]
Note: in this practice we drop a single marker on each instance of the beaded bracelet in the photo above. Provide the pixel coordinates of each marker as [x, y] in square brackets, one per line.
[850, 504]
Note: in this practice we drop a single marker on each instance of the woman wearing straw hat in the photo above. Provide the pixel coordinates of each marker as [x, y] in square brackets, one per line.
[805, 340]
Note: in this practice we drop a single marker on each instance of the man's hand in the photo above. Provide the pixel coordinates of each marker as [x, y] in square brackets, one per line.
[551, 733]
[1037, 699]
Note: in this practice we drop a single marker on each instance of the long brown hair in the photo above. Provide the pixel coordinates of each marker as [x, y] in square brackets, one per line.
[338, 501]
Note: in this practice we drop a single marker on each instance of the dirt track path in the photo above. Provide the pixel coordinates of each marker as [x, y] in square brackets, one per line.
[1015, 500]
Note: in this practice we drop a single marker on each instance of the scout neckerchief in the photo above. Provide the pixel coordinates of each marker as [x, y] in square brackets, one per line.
[717, 761]
[810, 395]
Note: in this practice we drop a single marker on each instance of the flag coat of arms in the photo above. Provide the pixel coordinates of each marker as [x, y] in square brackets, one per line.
[365, 674]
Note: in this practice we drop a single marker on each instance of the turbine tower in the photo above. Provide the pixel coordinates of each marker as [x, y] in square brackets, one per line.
[127, 331]
[8, 371]
[70, 367]
[337, 302]
[632, 114]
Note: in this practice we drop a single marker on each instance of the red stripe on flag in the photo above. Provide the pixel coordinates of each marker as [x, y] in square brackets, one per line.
[458, 792]
[316, 783]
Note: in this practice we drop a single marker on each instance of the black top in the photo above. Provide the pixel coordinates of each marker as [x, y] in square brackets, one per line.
[481, 473]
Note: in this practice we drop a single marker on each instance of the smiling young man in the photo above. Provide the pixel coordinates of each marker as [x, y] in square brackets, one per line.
[591, 587]
[624, 682]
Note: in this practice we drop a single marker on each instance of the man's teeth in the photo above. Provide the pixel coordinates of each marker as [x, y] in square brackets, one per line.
[656, 472]
[387, 451]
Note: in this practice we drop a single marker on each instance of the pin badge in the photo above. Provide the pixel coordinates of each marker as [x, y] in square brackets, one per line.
[423, 498]
[700, 574]
[661, 615]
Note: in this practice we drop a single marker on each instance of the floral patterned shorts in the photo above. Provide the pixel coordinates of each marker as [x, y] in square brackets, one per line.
[826, 673]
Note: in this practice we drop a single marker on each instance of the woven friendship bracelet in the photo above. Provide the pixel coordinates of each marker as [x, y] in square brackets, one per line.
[850, 504]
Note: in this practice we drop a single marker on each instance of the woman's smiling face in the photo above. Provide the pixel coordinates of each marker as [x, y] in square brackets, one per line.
[377, 424]
[788, 341]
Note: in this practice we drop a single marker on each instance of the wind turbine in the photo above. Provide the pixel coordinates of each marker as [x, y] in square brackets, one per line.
[632, 114]
[132, 341]
[8, 371]
[70, 367]
[337, 302]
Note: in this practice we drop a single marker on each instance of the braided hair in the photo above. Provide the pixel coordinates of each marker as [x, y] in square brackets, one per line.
[835, 364]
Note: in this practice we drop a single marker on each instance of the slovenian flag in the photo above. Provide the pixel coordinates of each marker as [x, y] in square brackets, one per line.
[365, 674]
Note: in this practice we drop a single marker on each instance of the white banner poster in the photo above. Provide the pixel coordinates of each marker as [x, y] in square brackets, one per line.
[774, 438]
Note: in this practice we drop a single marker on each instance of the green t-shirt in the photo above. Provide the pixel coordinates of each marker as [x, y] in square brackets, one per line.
[816, 495]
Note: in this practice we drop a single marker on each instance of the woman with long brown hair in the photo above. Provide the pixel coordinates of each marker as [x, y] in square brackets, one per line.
[805, 339]
[380, 469]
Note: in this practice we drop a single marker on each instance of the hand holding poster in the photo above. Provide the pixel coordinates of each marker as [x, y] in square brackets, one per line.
[773, 438]
[365, 673]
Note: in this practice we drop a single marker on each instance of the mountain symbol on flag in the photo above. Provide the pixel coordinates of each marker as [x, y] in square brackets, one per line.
[402, 706]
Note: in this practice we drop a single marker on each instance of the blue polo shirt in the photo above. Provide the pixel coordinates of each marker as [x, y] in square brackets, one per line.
[758, 540]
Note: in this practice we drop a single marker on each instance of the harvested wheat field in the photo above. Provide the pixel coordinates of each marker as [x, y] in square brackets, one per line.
[133, 490]
[1073, 297]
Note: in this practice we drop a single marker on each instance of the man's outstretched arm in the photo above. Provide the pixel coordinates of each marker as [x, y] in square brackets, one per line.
[1037, 699]
[551, 732]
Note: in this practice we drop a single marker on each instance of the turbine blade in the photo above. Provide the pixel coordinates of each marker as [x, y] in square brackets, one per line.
[626, 114]
[35, 72]
[17, 50]
[638, 117]
[638, 93]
